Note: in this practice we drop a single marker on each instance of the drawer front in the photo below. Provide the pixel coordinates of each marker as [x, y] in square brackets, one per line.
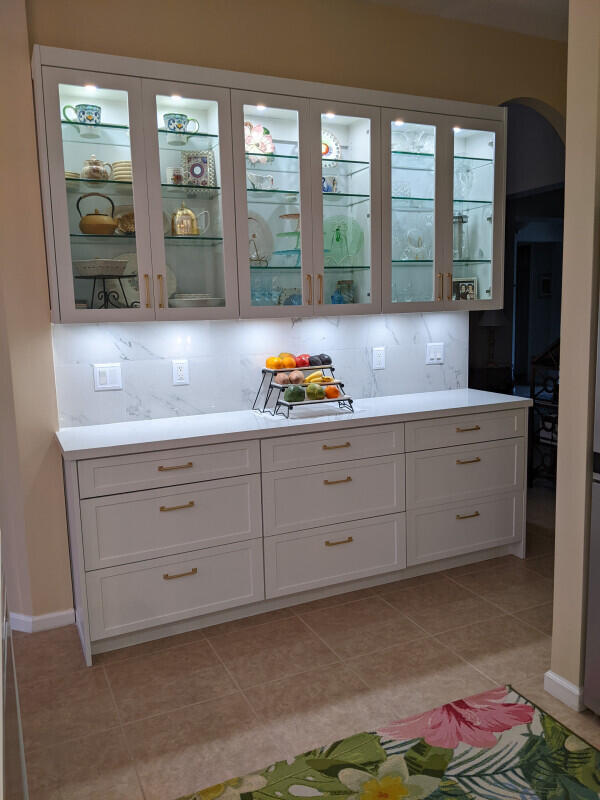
[466, 527]
[315, 496]
[100, 476]
[295, 562]
[327, 448]
[426, 434]
[452, 473]
[121, 529]
[130, 598]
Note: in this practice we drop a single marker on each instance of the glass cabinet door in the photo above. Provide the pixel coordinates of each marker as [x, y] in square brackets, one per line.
[99, 202]
[271, 158]
[476, 214]
[412, 235]
[190, 190]
[346, 202]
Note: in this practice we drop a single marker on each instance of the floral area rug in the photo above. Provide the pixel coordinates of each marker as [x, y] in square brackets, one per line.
[496, 745]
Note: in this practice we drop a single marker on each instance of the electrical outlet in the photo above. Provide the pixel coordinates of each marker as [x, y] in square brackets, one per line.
[181, 372]
[107, 377]
[379, 358]
[435, 353]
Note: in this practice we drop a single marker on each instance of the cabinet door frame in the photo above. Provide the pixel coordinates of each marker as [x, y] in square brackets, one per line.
[318, 107]
[58, 211]
[442, 190]
[240, 98]
[498, 219]
[150, 88]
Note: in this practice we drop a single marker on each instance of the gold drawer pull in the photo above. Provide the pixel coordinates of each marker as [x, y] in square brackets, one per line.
[342, 541]
[467, 516]
[176, 508]
[336, 446]
[468, 460]
[466, 430]
[333, 483]
[167, 577]
[189, 465]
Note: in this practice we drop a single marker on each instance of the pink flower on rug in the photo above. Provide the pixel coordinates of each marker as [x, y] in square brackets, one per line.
[473, 720]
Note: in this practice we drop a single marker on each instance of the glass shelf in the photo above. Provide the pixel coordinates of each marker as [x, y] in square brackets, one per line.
[273, 196]
[417, 162]
[206, 141]
[201, 241]
[95, 125]
[89, 135]
[276, 163]
[272, 268]
[343, 199]
[476, 163]
[403, 262]
[335, 267]
[472, 261]
[77, 185]
[344, 167]
[471, 205]
[413, 204]
[188, 190]
[120, 238]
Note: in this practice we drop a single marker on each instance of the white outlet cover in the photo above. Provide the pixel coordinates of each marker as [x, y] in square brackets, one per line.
[435, 353]
[379, 358]
[107, 377]
[181, 372]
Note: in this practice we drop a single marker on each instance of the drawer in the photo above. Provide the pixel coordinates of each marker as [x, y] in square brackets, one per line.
[295, 562]
[99, 476]
[124, 528]
[429, 433]
[458, 528]
[327, 448]
[137, 596]
[315, 496]
[454, 473]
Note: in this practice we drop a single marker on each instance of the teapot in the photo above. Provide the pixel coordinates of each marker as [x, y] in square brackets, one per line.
[97, 223]
[185, 223]
[94, 169]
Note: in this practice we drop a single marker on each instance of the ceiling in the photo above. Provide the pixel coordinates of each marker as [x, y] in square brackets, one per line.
[545, 18]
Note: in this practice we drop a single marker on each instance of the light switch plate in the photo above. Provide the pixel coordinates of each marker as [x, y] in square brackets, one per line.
[107, 377]
[181, 372]
[435, 353]
[379, 358]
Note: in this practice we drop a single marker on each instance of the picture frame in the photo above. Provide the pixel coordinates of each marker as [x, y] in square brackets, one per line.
[199, 168]
[464, 289]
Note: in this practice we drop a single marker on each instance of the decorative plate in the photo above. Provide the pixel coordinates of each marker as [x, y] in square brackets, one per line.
[258, 142]
[260, 241]
[343, 241]
[330, 147]
[199, 168]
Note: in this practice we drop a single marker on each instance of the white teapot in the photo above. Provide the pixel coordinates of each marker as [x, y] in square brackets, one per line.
[94, 169]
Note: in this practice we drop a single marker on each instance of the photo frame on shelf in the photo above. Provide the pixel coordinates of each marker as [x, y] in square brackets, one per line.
[199, 168]
[464, 289]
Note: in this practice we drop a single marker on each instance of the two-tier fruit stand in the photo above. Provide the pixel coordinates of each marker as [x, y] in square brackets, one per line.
[269, 398]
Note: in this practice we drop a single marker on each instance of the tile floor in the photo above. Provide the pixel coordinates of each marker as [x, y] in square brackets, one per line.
[159, 720]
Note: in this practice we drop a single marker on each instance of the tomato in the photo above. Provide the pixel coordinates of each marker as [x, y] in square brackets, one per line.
[302, 360]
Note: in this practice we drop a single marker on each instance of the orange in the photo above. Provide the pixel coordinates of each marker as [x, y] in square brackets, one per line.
[332, 392]
[274, 362]
[283, 355]
[289, 362]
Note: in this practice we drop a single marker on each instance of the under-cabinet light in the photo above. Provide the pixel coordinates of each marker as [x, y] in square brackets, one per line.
[175, 97]
[90, 87]
[399, 122]
[456, 129]
[330, 115]
[260, 106]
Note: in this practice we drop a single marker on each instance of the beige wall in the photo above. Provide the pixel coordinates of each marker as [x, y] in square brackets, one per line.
[578, 337]
[351, 42]
[32, 514]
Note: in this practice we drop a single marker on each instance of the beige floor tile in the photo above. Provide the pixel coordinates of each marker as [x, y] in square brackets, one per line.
[453, 614]
[540, 617]
[271, 651]
[543, 565]
[505, 649]
[511, 589]
[361, 627]
[334, 600]
[406, 583]
[48, 654]
[318, 707]
[248, 622]
[96, 767]
[436, 594]
[59, 709]
[584, 724]
[147, 648]
[167, 680]
[198, 746]
[490, 563]
[418, 676]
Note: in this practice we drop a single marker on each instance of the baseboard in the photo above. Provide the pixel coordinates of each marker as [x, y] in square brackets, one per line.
[564, 690]
[27, 624]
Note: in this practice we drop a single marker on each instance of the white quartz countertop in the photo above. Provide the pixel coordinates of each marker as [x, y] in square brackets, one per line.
[93, 441]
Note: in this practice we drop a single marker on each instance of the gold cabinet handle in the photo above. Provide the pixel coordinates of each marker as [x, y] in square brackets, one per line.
[342, 541]
[333, 483]
[468, 460]
[167, 577]
[161, 291]
[336, 446]
[466, 430]
[320, 279]
[147, 282]
[449, 276]
[440, 293]
[467, 516]
[176, 508]
[189, 465]
[310, 297]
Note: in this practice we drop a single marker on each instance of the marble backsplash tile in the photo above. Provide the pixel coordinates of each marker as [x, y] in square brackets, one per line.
[225, 358]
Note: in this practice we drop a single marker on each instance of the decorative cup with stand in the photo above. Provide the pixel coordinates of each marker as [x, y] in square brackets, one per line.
[177, 127]
[87, 115]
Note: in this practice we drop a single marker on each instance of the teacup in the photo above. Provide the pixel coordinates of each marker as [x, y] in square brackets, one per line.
[203, 220]
[329, 183]
[85, 114]
[177, 127]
